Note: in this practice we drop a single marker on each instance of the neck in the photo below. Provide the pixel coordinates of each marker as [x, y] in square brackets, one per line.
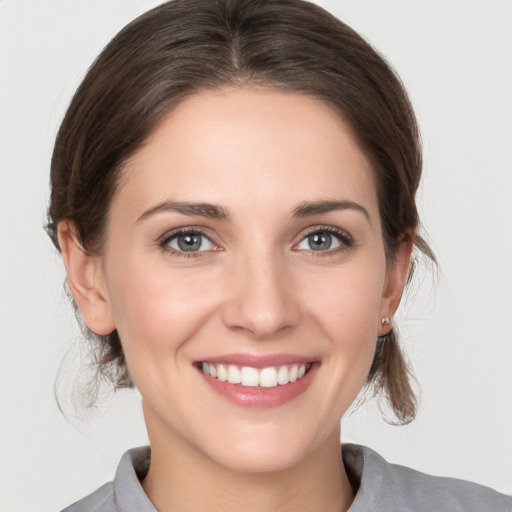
[180, 478]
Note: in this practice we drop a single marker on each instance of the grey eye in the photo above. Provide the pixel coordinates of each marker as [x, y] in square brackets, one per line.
[320, 241]
[190, 242]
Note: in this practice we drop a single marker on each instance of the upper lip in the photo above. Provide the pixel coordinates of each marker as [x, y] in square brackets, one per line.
[258, 361]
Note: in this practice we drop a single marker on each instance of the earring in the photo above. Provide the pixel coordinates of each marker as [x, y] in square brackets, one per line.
[385, 320]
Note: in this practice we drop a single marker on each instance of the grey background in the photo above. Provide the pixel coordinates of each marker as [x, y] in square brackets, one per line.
[454, 57]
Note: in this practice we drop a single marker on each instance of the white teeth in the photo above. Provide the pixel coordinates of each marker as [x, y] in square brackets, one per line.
[249, 376]
[233, 374]
[222, 373]
[268, 378]
[283, 376]
[252, 377]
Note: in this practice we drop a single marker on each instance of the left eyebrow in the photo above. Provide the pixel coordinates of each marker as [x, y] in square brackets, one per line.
[307, 209]
[187, 208]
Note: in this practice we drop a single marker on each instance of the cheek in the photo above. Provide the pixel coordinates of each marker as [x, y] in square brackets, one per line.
[156, 311]
[348, 313]
[348, 301]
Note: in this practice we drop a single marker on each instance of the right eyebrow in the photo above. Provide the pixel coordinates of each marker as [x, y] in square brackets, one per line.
[208, 210]
[307, 209]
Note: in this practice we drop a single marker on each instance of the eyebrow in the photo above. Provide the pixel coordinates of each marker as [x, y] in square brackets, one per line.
[208, 210]
[310, 208]
[211, 211]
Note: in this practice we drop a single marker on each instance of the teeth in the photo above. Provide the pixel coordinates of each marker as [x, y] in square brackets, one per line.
[222, 373]
[233, 374]
[268, 378]
[294, 370]
[252, 377]
[283, 376]
[249, 376]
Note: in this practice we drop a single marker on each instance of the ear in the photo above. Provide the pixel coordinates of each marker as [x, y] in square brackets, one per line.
[396, 277]
[86, 281]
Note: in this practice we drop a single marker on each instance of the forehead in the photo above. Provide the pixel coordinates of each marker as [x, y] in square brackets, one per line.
[233, 145]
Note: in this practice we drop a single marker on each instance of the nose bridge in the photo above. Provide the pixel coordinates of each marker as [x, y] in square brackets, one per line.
[261, 301]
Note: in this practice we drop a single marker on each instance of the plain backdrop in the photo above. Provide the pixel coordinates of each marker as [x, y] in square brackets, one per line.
[455, 58]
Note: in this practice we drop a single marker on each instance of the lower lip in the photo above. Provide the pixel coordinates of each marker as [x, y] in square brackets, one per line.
[261, 397]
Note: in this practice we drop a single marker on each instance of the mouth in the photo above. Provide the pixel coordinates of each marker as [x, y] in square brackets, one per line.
[248, 376]
[258, 381]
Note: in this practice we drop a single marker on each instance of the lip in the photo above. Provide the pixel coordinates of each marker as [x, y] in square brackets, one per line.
[258, 361]
[260, 398]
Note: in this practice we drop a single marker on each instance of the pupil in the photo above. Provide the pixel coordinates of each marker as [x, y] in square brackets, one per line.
[190, 242]
[320, 241]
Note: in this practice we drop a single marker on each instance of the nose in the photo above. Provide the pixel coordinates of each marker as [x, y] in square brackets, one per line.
[262, 300]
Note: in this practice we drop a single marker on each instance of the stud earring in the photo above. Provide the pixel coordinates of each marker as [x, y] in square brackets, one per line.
[385, 320]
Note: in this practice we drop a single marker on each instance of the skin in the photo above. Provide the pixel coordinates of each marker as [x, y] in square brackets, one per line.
[257, 288]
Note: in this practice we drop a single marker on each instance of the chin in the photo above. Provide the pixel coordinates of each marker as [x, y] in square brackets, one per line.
[264, 451]
[260, 461]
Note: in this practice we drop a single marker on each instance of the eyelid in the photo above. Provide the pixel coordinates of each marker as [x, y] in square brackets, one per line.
[346, 240]
[164, 240]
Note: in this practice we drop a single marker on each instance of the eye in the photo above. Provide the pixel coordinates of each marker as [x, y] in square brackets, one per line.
[325, 239]
[188, 241]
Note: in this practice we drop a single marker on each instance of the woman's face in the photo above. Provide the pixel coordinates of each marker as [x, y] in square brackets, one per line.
[245, 241]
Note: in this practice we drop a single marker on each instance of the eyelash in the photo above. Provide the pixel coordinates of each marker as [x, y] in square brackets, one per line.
[346, 241]
[165, 240]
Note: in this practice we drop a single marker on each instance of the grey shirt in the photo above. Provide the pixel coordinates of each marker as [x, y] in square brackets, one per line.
[383, 487]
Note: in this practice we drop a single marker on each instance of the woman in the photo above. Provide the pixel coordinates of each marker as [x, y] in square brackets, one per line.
[233, 195]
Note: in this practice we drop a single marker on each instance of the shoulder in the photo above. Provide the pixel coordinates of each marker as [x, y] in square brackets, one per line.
[101, 500]
[415, 489]
[125, 493]
[385, 486]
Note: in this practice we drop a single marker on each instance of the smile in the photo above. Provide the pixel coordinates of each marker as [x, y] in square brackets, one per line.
[247, 376]
[258, 381]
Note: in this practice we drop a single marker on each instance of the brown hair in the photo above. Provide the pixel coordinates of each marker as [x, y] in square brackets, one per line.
[184, 46]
